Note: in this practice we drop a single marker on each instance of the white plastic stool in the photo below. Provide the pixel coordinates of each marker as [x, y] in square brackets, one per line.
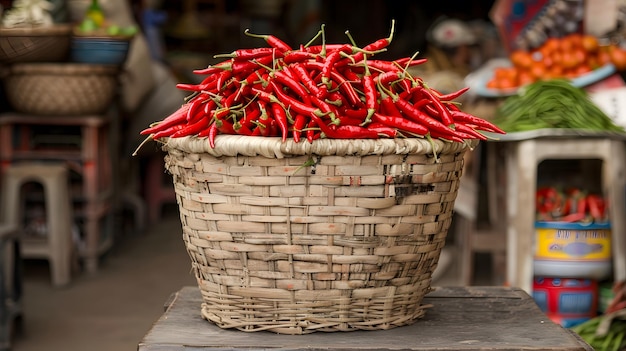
[57, 248]
[522, 160]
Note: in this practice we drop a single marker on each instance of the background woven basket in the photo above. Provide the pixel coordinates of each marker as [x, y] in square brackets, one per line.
[35, 44]
[347, 244]
[61, 88]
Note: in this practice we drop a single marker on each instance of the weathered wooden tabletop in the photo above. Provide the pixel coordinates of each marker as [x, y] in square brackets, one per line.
[461, 318]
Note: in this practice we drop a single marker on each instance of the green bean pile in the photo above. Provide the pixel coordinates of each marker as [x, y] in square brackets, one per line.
[552, 103]
[611, 339]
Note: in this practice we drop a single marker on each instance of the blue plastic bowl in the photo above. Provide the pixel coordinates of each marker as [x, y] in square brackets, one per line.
[99, 50]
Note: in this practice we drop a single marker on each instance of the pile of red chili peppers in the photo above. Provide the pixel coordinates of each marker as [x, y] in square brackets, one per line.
[571, 205]
[317, 91]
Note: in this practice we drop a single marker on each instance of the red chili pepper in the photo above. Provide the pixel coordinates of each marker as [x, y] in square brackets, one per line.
[250, 115]
[168, 131]
[177, 117]
[290, 102]
[345, 132]
[192, 129]
[326, 109]
[418, 116]
[209, 86]
[264, 121]
[342, 82]
[383, 130]
[194, 106]
[381, 43]
[438, 135]
[470, 131]
[375, 46]
[388, 107]
[248, 54]
[311, 132]
[263, 95]
[225, 126]
[241, 129]
[371, 95]
[479, 122]
[211, 133]
[298, 56]
[272, 41]
[442, 111]
[280, 116]
[400, 123]
[595, 204]
[384, 66]
[346, 120]
[451, 96]
[303, 76]
[388, 77]
[253, 77]
[298, 125]
[237, 67]
[316, 49]
[328, 66]
[222, 78]
[298, 89]
[410, 62]
[355, 114]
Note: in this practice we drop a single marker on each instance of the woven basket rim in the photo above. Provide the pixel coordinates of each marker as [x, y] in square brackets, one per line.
[59, 29]
[274, 147]
[63, 69]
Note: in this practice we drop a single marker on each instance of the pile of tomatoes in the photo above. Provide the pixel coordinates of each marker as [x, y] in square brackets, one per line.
[567, 57]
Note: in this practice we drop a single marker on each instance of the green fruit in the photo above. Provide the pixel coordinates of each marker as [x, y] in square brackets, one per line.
[88, 25]
[113, 30]
[129, 31]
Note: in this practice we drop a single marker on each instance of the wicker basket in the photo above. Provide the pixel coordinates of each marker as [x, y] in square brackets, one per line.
[61, 88]
[35, 44]
[349, 243]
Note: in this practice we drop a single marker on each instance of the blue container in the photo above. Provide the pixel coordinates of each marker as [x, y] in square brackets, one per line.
[100, 50]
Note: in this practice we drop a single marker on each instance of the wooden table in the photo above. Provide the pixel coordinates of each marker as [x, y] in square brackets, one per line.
[462, 318]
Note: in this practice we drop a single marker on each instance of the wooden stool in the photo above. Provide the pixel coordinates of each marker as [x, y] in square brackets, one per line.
[57, 248]
[523, 155]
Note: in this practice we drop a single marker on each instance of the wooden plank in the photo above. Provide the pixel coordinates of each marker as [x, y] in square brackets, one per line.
[462, 318]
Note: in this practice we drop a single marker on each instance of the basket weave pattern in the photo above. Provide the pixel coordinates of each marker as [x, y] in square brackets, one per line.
[349, 243]
[61, 89]
[37, 44]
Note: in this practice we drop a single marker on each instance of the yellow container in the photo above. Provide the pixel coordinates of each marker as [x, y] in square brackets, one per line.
[573, 250]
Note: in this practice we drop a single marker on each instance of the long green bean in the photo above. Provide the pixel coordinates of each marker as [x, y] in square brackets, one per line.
[552, 103]
[613, 340]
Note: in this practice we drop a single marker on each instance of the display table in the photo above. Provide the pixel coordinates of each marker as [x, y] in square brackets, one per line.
[461, 318]
[524, 151]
